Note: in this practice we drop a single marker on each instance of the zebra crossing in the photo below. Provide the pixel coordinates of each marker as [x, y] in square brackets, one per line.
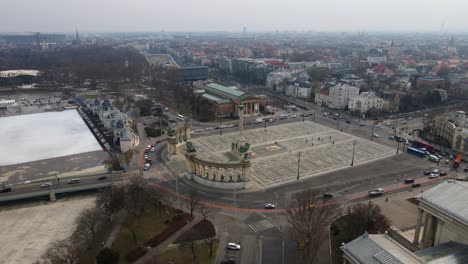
[261, 225]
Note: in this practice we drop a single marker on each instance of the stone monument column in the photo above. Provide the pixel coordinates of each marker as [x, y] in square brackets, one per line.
[241, 123]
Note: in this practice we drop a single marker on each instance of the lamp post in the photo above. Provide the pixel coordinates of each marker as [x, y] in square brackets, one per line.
[303, 117]
[372, 135]
[352, 158]
[398, 147]
[265, 121]
[298, 163]
[337, 123]
[277, 196]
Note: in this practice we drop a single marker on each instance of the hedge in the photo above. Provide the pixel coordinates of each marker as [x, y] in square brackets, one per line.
[173, 227]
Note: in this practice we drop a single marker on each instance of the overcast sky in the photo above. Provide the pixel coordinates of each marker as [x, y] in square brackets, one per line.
[232, 15]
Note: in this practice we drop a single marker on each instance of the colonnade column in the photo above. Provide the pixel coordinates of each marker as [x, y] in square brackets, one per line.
[418, 227]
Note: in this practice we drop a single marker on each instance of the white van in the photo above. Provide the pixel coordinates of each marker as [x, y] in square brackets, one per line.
[180, 117]
[434, 158]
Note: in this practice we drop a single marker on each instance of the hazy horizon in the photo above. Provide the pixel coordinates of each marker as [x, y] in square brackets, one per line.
[231, 16]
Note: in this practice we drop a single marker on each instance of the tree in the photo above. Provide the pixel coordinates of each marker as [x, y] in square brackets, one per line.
[309, 217]
[363, 217]
[88, 224]
[136, 196]
[107, 256]
[208, 231]
[194, 201]
[130, 224]
[111, 200]
[66, 251]
[204, 211]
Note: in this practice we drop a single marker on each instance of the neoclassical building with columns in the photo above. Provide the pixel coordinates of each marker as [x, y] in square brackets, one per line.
[441, 234]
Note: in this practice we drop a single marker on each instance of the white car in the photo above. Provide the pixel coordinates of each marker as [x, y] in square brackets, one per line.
[433, 176]
[233, 246]
[146, 156]
[435, 171]
[147, 166]
[376, 135]
[230, 125]
[152, 150]
[209, 129]
[198, 130]
[270, 206]
[293, 116]
[45, 185]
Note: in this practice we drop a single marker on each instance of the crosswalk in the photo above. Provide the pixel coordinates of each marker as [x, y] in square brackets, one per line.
[261, 225]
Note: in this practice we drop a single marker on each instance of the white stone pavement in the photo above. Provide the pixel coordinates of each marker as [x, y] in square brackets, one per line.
[275, 151]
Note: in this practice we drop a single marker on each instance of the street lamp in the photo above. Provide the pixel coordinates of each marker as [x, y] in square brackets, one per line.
[372, 135]
[277, 196]
[398, 147]
[298, 163]
[352, 158]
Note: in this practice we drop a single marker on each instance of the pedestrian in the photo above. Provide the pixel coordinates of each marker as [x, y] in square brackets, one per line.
[307, 141]
[386, 199]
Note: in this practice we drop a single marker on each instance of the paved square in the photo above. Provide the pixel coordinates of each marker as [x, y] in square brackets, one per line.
[275, 158]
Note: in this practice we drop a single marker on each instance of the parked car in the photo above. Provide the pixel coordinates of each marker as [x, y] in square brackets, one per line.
[293, 116]
[466, 169]
[209, 129]
[442, 173]
[270, 206]
[409, 180]
[391, 138]
[435, 171]
[415, 185]
[433, 176]
[233, 246]
[427, 173]
[147, 166]
[151, 149]
[376, 135]
[146, 156]
[361, 124]
[102, 178]
[47, 184]
[348, 122]
[327, 195]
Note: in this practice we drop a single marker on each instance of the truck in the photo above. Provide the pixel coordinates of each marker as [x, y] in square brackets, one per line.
[376, 192]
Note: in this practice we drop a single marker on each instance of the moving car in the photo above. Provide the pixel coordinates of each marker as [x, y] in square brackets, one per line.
[433, 176]
[147, 166]
[435, 171]
[102, 178]
[442, 173]
[233, 246]
[47, 184]
[270, 206]
[415, 185]
[146, 156]
[376, 135]
[327, 195]
[209, 129]
[74, 181]
[348, 122]
[293, 116]
[376, 192]
[427, 173]
[409, 180]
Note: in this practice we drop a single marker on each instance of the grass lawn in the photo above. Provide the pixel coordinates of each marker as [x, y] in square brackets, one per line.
[183, 255]
[147, 226]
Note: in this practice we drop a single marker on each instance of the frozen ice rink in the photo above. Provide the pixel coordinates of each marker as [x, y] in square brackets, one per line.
[26, 138]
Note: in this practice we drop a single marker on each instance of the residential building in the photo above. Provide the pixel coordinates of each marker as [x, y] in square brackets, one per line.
[430, 82]
[364, 102]
[442, 93]
[451, 129]
[251, 70]
[391, 101]
[300, 86]
[223, 64]
[322, 98]
[277, 80]
[340, 94]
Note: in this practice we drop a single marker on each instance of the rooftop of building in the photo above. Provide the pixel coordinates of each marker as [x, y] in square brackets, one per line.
[15, 73]
[430, 78]
[448, 197]
[447, 253]
[215, 98]
[379, 249]
[230, 92]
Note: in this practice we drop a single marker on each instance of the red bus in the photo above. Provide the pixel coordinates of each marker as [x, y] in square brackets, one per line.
[420, 144]
[457, 161]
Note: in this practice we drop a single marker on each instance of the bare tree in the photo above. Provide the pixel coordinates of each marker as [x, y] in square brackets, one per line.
[111, 200]
[88, 224]
[209, 232]
[309, 217]
[363, 217]
[136, 196]
[204, 210]
[194, 201]
[66, 251]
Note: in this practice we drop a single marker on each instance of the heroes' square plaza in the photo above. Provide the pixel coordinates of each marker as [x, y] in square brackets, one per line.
[275, 150]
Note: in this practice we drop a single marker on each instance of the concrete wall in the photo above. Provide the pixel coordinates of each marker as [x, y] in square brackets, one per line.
[449, 232]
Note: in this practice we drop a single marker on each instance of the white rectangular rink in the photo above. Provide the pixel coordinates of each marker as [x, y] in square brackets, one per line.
[26, 138]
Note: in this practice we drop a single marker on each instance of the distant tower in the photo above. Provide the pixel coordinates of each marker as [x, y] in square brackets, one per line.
[244, 30]
[77, 40]
[451, 49]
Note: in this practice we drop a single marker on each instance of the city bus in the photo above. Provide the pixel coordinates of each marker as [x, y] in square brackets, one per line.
[457, 161]
[416, 152]
[420, 144]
